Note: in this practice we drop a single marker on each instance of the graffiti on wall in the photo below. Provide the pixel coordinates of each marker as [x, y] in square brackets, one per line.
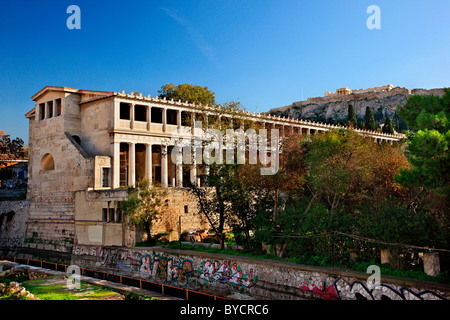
[357, 290]
[122, 259]
[226, 272]
[11, 242]
[165, 269]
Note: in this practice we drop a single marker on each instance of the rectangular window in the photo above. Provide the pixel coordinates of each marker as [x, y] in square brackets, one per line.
[57, 107]
[186, 209]
[41, 111]
[171, 117]
[156, 115]
[104, 214]
[105, 177]
[124, 111]
[118, 213]
[111, 214]
[49, 109]
[140, 113]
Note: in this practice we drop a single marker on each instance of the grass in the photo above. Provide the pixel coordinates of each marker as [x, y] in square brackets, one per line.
[55, 288]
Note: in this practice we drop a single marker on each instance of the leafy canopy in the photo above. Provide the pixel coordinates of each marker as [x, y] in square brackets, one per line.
[188, 92]
[429, 143]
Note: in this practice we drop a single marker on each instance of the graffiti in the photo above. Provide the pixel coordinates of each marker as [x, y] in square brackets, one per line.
[357, 290]
[327, 294]
[225, 272]
[11, 242]
[110, 257]
[165, 270]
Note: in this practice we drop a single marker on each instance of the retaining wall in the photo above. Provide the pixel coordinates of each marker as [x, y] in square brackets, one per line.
[259, 278]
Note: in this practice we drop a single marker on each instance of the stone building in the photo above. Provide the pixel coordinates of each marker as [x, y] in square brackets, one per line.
[86, 147]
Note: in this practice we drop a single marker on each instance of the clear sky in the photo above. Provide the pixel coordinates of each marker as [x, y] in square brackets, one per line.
[262, 53]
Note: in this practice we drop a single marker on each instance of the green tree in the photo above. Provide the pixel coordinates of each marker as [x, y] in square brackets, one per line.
[144, 205]
[429, 143]
[352, 121]
[388, 126]
[370, 119]
[188, 92]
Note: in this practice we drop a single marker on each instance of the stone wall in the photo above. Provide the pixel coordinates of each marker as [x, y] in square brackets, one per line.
[259, 278]
[13, 218]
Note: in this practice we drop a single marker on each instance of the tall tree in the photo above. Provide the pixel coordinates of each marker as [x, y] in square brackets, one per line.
[429, 143]
[370, 119]
[388, 127]
[144, 205]
[352, 121]
[188, 92]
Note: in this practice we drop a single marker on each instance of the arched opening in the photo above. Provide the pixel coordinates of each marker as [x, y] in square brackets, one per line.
[47, 162]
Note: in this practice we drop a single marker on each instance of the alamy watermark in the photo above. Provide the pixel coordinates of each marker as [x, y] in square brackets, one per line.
[212, 145]
[74, 276]
[74, 20]
[374, 20]
[375, 279]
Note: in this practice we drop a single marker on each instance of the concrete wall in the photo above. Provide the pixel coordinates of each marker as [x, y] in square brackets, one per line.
[260, 278]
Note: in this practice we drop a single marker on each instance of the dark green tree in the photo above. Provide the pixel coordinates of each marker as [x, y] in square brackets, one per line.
[388, 127]
[352, 121]
[370, 119]
[429, 143]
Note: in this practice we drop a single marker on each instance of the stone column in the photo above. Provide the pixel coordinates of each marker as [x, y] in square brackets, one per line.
[308, 131]
[164, 167]
[179, 168]
[164, 119]
[132, 116]
[116, 164]
[132, 164]
[149, 118]
[148, 163]
[179, 121]
[194, 168]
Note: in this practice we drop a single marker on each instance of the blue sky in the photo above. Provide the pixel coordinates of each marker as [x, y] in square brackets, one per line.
[261, 53]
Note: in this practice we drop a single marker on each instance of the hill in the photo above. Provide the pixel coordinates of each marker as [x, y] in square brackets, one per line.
[333, 107]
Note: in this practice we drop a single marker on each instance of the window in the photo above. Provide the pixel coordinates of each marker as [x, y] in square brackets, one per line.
[49, 109]
[186, 209]
[105, 177]
[118, 213]
[185, 118]
[57, 107]
[111, 214]
[171, 117]
[104, 214]
[157, 115]
[124, 111]
[140, 113]
[41, 111]
[47, 162]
